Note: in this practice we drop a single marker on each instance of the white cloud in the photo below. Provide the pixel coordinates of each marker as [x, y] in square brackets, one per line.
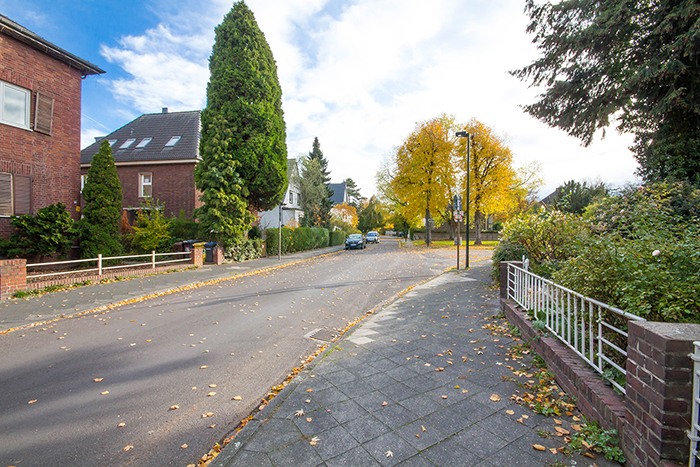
[360, 74]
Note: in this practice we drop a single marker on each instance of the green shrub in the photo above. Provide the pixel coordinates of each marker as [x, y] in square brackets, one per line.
[272, 239]
[320, 237]
[299, 239]
[244, 249]
[183, 227]
[51, 231]
[151, 230]
[337, 237]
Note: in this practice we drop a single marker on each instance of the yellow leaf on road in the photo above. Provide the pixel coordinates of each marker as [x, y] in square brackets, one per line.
[495, 397]
[538, 447]
[97, 380]
[32, 401]
[126, 448]
[184, 446]
[237, 398]
[174, 407]
[104, 393]
[122, 424]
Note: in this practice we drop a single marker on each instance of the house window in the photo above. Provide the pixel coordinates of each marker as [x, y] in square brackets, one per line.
[83, 180]
[15, 103]
[127, 143]
[173, 141]
[15, 194]
[143, 143]
[145, 185]
[112, 141]
[291, 197]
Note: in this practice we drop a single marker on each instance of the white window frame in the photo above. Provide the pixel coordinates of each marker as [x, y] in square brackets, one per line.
[27, 105]
[291, 197]
[83, 181]
[143, 184]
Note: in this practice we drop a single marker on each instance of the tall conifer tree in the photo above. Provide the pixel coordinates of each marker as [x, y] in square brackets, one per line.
[243, 145]
[99, 227]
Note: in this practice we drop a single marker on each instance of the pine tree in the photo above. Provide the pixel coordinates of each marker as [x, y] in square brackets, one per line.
[322, 207]
[243, 130]
[99, 227]
[317, 154]
[354, 196]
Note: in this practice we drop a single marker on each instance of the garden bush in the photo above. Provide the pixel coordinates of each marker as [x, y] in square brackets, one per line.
[272, 239]
[337, 237]
[244, 249]
[150, 232]
[50, 232]
[299, 239]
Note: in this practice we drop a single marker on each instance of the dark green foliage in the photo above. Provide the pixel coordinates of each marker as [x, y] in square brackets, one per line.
[337, 237]
[299, 239]
[354, 197]
[51, 231]
[183, 228]
[505, 251]
[243, 121]
[151, 230]
[317, 154]
[631, 60]
[315, 201]
[244, 249]
[370, 217]
[573, 197]
[100, 225]
[224, 216]
[254, 233]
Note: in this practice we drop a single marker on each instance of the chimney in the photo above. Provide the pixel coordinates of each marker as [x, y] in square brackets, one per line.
[165, 110]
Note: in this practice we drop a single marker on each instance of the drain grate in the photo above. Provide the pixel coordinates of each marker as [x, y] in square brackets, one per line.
[323, 335]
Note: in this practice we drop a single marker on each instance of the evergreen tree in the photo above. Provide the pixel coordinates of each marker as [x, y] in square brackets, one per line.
[243, 130]
[370, 218]
[314, 194]
[99, 227]
[633, 61]
[322, 206]
[354, 197]
[317, 154]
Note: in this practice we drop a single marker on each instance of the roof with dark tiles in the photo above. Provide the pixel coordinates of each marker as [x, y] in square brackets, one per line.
[161, 127]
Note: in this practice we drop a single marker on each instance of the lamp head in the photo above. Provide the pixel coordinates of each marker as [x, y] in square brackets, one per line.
[462, 134]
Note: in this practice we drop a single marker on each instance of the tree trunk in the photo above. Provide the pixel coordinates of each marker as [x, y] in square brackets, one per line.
[478, 226]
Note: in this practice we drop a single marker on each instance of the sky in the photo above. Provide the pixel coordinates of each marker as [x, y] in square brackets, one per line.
[357, 74]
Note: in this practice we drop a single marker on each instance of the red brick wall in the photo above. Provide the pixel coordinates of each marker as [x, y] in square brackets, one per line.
[173, 186]
[53, 161]
[13, 277]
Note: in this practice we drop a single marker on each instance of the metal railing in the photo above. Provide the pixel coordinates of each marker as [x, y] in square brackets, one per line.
[694, 432]
[590, 328]
[101, 268]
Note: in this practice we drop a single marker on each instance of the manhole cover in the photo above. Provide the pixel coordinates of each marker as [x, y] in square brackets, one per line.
[324, 335]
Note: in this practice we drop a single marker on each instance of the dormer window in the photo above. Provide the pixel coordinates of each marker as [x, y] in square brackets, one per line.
[111, 142]
[173, 141]
[127, 143]
[143, 143]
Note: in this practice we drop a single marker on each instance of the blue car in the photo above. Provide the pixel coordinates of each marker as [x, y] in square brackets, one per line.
[355, 241]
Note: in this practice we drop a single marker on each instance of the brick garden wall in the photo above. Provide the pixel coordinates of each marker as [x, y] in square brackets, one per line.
[52, 161]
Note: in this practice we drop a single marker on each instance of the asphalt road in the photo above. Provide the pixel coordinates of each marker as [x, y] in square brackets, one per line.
[65, 388]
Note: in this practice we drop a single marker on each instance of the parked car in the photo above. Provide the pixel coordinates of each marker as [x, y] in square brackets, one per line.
[372, 237]
[355, 241]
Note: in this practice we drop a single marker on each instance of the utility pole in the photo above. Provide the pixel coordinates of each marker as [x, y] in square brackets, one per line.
[463, 134]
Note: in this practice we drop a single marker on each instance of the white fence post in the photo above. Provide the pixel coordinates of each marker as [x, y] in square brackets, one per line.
[153, 259]
[99, 264]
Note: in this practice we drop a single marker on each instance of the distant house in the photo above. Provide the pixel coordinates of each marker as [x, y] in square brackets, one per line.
[291, 209]
[40, 87]
[155, 157]
[340, 193]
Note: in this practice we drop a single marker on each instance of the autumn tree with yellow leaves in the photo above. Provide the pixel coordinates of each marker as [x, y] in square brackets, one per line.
[430, 167]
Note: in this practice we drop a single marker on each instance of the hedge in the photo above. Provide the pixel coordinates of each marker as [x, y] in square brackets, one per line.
[337, 237]
[299, 239]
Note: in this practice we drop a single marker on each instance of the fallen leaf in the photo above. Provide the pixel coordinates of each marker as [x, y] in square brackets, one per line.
[184, 446]
[212, 426]
[422, 427]
[510, 412]
[553, 450]
[203, 367]
[589, 455]
[97, 380]
[309, 390]
[444, 397]
[576, 427]
[389, 454]
[495, 397]
[417, 435]
[174, 407]
[104, 393]
[520, 420]
[122, 424]
[299, 413]
[558, 422]
[314, 440]
[385, 403]
[211, 394]
[538, 447]
[237, 398]
[126, 448]
[32, 401]
[308, 419]
[562, 431]
[307, 400]
[212, 385]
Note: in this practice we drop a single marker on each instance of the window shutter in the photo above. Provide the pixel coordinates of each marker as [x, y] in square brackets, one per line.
[23, 195]
[43, 113]
[5, 194]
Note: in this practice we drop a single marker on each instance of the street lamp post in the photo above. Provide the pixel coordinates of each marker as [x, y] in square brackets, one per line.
[463, 134]
[279, 238]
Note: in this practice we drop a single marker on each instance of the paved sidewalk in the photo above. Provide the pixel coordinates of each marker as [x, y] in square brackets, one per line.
[421, 383]
[22, 312]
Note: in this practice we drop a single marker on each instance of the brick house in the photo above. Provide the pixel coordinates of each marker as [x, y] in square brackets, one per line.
[155, 157]
[40, 92]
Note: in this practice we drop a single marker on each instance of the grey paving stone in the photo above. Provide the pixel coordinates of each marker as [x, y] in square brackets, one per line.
[422, 383]
[373, 400]
[364, 370]
[272, 435]
[472, 410]
[295, 401]
[317, 383]
[401, 373]
[354, 457]
[299, 453]
[424, 439]
[384, 365]
[334, 442]
[398, 391]
[450, 453]
[366, 428]
[421, 405]
[447, 421]
[394, 415]
[379, 380]
[391, 442]
[246, 458]
[504, 427]
[478, 441]
[355, 389]
[321, 420]
[346, 411]
[329, 396]
[340, 377]
[514, 456]
[416, 461]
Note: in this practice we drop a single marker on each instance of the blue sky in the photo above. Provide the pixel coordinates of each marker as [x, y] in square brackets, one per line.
[358, 74]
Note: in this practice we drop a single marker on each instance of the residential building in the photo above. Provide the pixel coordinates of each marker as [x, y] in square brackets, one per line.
[340, 193]
[291, 208]
[155, 157]
[40, 97]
